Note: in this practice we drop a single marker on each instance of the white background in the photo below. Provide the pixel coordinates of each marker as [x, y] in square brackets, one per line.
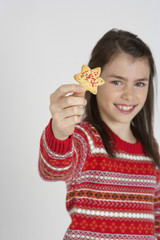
[42, 45]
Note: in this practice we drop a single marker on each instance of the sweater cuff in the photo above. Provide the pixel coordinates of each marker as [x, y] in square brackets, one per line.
[55, 145]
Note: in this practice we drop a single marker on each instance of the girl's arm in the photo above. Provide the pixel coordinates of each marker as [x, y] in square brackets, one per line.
[56, 157]
[63, 160]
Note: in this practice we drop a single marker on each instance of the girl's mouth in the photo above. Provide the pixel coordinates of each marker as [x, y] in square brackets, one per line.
[125, 108]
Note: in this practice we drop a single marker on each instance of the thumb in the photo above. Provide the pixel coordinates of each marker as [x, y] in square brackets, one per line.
[80, 93]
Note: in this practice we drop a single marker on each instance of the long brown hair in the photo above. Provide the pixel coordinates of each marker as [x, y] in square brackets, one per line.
[111, 44]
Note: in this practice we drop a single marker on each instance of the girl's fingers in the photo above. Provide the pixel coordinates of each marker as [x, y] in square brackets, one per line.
[72, 111]
[66, 127]
[67, 113]
[63, 90]
[71, 101]
[68, 102]
[66, 109]
[71, 121]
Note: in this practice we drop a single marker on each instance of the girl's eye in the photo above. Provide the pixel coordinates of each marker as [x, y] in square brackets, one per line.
[140, 84]
[116, 82]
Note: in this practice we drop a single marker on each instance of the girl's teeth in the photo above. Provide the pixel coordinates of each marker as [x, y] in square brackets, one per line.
[125, 108]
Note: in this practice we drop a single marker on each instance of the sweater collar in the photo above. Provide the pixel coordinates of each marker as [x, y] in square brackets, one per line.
[122, 145]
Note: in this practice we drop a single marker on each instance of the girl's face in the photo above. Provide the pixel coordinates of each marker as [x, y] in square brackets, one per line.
[125, 90]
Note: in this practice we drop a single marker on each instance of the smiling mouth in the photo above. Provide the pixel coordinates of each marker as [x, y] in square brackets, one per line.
[125, 108]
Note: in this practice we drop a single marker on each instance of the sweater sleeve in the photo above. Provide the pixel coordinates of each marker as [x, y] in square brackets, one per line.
[56, 158]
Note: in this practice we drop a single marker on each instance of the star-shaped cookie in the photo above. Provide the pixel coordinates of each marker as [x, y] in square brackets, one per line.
[89, 78]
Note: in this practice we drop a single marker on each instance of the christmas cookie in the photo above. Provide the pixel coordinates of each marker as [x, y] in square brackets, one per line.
[89, 78]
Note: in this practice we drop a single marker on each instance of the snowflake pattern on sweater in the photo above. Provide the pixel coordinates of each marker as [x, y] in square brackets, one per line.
[107, 199]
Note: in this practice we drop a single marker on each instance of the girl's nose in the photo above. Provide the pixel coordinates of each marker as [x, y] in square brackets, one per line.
[128, 93]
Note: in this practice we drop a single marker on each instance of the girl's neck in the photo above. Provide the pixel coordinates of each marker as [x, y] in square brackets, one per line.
[124, 132]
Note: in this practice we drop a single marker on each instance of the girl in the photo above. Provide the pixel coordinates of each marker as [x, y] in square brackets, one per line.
[109, 160]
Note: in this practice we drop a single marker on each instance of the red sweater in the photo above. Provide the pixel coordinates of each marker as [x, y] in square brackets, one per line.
[106, 198]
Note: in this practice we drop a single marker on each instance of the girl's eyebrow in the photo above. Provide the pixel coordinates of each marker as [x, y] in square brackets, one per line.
[122, 78]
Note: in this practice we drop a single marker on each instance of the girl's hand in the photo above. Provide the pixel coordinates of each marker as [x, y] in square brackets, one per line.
[66, 107]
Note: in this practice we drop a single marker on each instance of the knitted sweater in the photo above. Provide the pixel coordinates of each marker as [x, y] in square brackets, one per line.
[106, 198]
